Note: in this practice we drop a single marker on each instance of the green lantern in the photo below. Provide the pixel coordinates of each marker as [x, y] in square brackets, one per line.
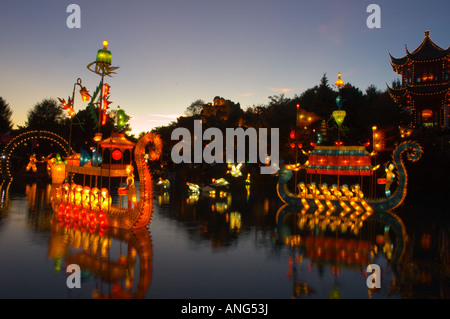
[104, 55]
[339, 116]
[122, 118]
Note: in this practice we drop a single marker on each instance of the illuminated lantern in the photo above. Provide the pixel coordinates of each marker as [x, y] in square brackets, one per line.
[292, 145]
[339, 101]
[104, 118]
[78, 194]
[32, 163]
[339, 116]
[292, 135]
[96, 158]
[116, 155]
[122, 118]
[84, 157]
[339, 82]
[58, 159]
[104, 55]
[105, 200]
[94, 196]
[426, 114]
[85, 96]
[71, 112]
[98, 137]
[85, 197]
[58, 172]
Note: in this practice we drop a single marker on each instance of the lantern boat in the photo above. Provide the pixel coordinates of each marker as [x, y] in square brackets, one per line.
[345, 201]
[92, 205]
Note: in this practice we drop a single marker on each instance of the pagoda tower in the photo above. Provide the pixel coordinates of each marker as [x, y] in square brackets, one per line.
[425, 89]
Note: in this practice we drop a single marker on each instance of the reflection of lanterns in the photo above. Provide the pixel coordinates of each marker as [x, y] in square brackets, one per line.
[116, 154]
[339, 116]
[425, 241]
[235, 221]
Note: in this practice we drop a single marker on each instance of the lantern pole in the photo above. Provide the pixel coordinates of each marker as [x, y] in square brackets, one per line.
[339, 83]
[73, 106]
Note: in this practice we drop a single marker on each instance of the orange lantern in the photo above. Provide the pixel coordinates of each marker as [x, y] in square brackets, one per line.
[58, 172]
[427, 113]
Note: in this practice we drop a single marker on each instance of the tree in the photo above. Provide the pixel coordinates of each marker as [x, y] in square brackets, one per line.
[195, 108]
[46, 115]
[320, 99]
[6, 124]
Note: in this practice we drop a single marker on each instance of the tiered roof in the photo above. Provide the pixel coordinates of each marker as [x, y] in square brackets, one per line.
[427, 51]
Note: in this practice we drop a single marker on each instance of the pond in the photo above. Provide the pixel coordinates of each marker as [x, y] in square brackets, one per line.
[238, 245]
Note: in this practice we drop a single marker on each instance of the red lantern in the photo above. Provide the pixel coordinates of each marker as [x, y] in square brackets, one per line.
[116, 154]
[292, 135]
[292, 145]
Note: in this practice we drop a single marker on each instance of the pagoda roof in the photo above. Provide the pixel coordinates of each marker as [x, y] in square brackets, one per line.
[426, 51]
[420, 89]
[117, 140]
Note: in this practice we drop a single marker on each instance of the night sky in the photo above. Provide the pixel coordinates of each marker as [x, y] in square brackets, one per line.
[171, 53]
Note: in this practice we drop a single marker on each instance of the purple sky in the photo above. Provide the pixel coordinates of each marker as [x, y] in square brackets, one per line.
[172, 52]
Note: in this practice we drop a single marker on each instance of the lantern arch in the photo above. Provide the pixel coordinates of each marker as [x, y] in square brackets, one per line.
[9, 149]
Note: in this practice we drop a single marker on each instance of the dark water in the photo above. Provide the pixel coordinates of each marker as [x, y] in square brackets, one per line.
[240, 245]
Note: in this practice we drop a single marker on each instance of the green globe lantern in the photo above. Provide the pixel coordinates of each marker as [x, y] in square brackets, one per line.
[104, 55]
[339, 116]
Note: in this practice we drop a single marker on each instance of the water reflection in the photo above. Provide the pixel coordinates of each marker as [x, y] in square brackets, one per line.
[319, 257]
[325, 243]
[118, 260]
[4, 199]
[95, 253]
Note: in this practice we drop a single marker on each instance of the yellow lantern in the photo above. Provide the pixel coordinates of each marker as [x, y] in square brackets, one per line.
[58, 172]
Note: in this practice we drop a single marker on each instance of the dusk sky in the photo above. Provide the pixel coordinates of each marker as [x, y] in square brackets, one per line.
[173, 52]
